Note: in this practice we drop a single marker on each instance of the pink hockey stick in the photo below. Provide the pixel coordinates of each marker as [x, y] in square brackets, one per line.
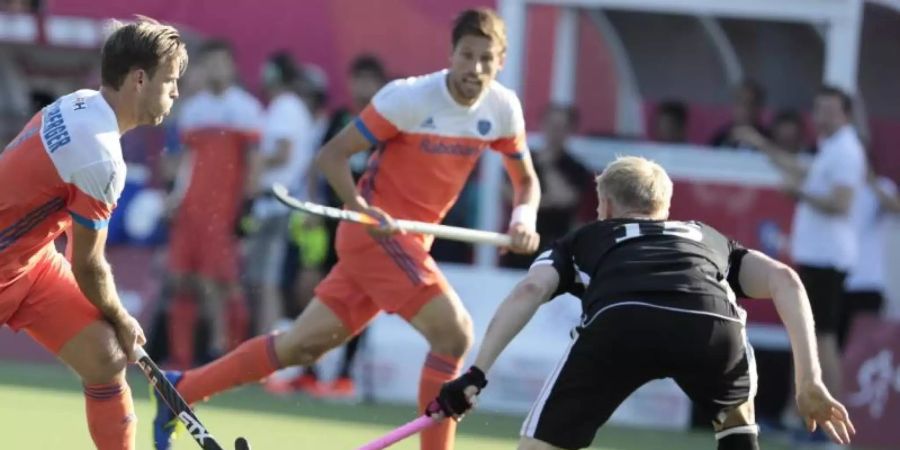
[401, 433]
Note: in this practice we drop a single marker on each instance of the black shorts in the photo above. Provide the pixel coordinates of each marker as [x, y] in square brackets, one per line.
[825, 288]
[627, 346]
[855, 304]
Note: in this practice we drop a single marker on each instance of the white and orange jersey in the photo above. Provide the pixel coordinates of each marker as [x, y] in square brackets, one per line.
[218, 130]
[428, 144]
[65, 165]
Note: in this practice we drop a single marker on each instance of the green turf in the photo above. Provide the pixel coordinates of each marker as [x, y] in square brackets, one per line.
[41, 407]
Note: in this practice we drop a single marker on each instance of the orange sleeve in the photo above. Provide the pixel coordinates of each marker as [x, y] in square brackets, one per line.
[374, 126]
[93, 192]
[511, 146]
[89, 211]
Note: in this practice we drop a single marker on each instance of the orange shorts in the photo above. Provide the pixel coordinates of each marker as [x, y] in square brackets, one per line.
[205, 247]
[396, 275]
[47, 303]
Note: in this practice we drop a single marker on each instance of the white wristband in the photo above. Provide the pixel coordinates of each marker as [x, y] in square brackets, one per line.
[526, 215]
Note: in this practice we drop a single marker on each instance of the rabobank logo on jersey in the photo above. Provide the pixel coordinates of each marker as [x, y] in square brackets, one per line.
[437, 146]
[54, 131]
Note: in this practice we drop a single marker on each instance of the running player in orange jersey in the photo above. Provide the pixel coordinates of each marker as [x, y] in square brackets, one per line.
[429, 132]
[65, 172]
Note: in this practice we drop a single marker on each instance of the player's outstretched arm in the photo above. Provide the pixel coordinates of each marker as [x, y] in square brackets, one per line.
[526, 200]
[458, 396]
[764, 277]
[94, 277]
[514, 313]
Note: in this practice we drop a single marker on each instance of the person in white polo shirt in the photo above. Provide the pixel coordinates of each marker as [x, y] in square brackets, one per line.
[824, 244]
[286, 152]
[865, 283]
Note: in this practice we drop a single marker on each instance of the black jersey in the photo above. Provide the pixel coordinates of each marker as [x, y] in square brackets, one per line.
[668, 264]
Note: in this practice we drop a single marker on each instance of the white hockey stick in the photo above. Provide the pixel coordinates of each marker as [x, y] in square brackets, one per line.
[409, 226]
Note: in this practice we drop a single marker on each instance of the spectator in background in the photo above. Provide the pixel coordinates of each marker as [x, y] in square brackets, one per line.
[220, 129]
[285, 157]
[670, 122]
[789, 132]
[312, 86]
[824, 241]
[566, 184]
[749, 99]
[312, 237]
[20, 6]
[865, 284]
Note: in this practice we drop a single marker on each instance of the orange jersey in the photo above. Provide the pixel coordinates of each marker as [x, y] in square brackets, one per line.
[427, 144]
[65, 165]
[217, 130]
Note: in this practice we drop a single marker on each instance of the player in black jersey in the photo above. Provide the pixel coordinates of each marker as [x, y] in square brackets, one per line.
[659, 301]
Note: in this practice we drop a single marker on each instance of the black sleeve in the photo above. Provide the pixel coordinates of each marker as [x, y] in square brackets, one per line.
[560, 256]
[736, 253]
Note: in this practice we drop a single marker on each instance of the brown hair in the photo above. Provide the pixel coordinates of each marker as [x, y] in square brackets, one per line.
[143, 45]
[840, 94]
[481, 22]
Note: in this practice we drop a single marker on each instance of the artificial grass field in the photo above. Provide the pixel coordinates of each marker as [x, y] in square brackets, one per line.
[41, 407]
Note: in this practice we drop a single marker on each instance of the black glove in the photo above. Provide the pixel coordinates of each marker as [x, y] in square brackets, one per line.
[452, 399]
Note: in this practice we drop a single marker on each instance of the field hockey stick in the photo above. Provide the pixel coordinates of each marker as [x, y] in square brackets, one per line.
[180, 407]
[409, 226]
[400, 433]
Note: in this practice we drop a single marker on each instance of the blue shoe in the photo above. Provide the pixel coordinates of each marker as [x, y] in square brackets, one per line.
[164, 423]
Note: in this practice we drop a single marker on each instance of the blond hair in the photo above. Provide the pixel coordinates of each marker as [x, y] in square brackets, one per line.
[144, 44]
[636, 185]
[481, 22]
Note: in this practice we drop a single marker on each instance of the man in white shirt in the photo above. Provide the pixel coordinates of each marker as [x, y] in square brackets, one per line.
[865, 283]
[823, 242]
[285, 157]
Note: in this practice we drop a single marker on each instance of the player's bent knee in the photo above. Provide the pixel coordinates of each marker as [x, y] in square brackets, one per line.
[527, 443]
[95, 354]
[446, 324]
[454, 339]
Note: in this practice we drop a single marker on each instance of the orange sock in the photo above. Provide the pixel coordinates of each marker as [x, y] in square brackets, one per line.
[438, 370]
[110, 416]
[183, 318]
[251, 361]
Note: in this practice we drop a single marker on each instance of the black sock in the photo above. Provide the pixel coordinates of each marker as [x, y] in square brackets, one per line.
[739, 438]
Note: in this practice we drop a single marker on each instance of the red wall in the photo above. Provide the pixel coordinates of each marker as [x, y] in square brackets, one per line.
[411, 36]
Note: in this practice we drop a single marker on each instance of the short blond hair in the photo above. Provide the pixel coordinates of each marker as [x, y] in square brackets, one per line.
[144, 44]
[637, 185]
